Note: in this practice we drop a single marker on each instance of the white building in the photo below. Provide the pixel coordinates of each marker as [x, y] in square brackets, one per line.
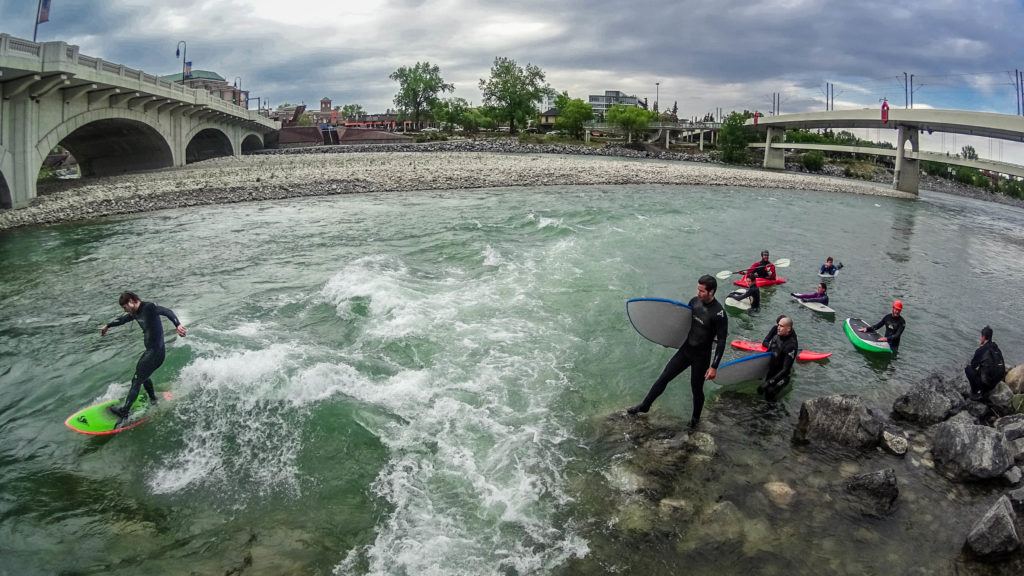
[601, 103]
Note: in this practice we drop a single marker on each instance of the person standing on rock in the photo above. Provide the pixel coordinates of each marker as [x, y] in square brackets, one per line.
[894, 325]
[709, 328]
[782, 343]
[147, 314]
[987, 368]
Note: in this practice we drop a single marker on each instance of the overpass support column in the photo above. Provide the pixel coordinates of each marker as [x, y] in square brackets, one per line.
[907, 176]
[20, 136]
[774, 158]
[701, 140]
[667, 134]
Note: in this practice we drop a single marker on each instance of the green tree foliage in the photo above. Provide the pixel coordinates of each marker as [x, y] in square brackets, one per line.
[632, 120]
[573, 113]
[513, 91]
[450, 112]
[419, 88]
[305, 120]
[733, 138]
[969, 153]
[352, 111]
[813, 160]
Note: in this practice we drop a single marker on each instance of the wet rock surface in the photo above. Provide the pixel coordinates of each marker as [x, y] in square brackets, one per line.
[930, 401]
[842, 419]
[968, 452]
[873, 494]
[994, 535]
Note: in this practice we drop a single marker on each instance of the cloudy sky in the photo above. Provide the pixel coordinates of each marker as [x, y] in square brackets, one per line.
[729, 54]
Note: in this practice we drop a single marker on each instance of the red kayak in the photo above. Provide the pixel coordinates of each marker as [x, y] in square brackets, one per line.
[802, 356]
[761, 282]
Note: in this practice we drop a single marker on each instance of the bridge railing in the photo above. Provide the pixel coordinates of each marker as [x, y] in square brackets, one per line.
[63, 57]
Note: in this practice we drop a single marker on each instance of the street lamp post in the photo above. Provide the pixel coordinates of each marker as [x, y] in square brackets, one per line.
[657, 94]
[184, 56]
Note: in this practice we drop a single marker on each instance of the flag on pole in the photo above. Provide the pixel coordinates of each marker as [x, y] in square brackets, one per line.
[188, 69]
[44, 12]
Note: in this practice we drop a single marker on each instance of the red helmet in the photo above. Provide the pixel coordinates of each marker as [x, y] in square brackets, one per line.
[897, 305]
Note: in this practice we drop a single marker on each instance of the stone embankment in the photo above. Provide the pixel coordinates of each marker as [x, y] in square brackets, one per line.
[391, 168]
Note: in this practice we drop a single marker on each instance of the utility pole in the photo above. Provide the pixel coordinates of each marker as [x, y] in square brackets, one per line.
[905, 94]
[911, 91]
[1017, 82]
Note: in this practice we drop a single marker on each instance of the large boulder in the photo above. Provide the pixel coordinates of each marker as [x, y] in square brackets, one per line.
[841, 419]
[930, 401]
[1011, 426]
[995, 534]
[873, 494]
[1001, 396]
[970, 452]
[1015, 379]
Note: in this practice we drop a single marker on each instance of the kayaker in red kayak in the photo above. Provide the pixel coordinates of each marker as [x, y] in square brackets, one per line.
[763, 268]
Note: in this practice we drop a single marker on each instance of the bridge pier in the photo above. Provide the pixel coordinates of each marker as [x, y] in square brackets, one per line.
[20, 138]
[907, 175]
[775, 157]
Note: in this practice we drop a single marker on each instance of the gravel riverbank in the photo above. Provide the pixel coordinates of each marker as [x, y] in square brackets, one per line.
[437, 166]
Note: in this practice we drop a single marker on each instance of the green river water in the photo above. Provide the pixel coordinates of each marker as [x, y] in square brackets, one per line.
[418, 383]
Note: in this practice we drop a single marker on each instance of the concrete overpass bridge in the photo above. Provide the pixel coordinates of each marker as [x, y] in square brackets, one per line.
[659, 130]
[112, 118]
[909, 124]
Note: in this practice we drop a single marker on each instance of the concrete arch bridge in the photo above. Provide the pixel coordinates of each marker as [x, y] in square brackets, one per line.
[111, 118]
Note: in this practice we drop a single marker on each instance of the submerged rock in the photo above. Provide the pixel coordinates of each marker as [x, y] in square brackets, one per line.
[838, 419]
[970, 452]
[894, 441]
[930, 401]
[1013, 476]
[780, 493]
[1017, 499]
[874, 494]
[995, 534]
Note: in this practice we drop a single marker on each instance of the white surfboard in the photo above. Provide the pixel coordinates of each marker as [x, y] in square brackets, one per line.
[817, 307]
[660, 320]
[828, 275]
[738, 304]
[745, 369]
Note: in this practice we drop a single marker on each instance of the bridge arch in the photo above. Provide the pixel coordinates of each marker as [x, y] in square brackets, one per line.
[6, 170]
[107, 142]
[207, 141]
[252, 141]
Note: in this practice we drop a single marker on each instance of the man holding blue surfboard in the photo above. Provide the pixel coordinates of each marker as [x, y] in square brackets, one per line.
[709, 328]
[147, 314]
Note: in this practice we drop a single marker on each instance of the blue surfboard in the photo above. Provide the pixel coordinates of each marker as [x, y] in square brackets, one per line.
[745, 369]
[660, 320]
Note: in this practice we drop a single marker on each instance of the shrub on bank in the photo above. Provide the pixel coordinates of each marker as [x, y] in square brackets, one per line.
[813, 160]
[431, 137]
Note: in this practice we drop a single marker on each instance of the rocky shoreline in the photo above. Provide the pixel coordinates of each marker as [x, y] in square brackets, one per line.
[290, 173]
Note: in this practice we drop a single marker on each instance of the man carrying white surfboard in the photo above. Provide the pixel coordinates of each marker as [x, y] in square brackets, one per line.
[709, 327]
[147, 314]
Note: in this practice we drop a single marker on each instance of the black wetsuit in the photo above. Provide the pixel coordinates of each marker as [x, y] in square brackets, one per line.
[148, 317]
[986, 368]
[710, 326]
[780, 368]
[893, 330]
[752, 292]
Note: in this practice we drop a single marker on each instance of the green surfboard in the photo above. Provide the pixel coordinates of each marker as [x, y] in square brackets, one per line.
[97, 420]
[866, 341]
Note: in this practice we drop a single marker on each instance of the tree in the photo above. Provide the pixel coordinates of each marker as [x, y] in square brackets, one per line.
[305, 120]
[449, 112]
[969, 153]
[418, 88]
[573, 113]
[733, 138]
[631, 119]
[352, 111]
[514, 91]
[675, 108]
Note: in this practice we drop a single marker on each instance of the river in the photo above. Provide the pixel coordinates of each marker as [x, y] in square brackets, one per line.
[417, 383]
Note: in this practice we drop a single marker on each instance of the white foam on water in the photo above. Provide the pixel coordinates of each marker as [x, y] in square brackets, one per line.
[545, 222]
[491, 256]
[243, 428]
[474, 480]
